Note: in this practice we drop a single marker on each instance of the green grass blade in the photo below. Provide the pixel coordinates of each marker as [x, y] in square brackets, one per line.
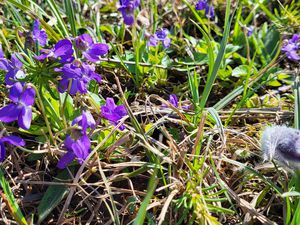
[71, 18]
[27, 10]
[194, 85]
[297, 102]
[140, 218]
[296, 218]
[199, 19]
[60, 21]
[239, 90]
[218, 121]
[12, 203]
[219, 59]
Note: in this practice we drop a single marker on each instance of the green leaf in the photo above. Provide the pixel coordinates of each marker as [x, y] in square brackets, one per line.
[53, 196]
[57, 14]
[240, 71]
[213, 69]
[52, 109]
[11, 201]
[296, 218]
[274, 83]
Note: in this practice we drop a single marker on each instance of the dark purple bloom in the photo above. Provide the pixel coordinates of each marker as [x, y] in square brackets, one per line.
[127, 9]
[173, 100]
[13, 140]
[291, 47]
[39, 35]
[20, 108]
[200, 5]
[203, 5]
[80, 74]
[78, 144]
[113, 113]
[62, 51]
[161, 35]
[210, 12]
[250, 31]
[85, 120]
[13, 68]
[90, 50]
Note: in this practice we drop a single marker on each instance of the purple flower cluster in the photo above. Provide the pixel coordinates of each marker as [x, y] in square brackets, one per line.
[113, 113]
[79, 74]
[78, 144]
[160, 36]
[77, 71]
[127, 10]
[291, 47]
[209, 10]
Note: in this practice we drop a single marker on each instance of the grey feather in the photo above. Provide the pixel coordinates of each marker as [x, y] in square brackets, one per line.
[282, 144]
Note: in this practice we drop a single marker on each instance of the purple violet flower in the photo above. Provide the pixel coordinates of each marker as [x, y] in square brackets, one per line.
[91, 51]
[127, 9]
[173, 100]
[161, 35]
[85, 120]
[200, 5]
[78, 144]
[291, 47]
[12, 67]
[39, 35]
[13, 140]
[63, 51]
[20, 109]
[250, 31]
[113, 113]
[203, 5]
[80, 73]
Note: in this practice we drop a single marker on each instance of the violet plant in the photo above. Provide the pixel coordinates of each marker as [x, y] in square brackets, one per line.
[160, 36]
[12, 67]
[22, 98]
[291, 47]
[113, 113]
[77, 143]
[127, 8]
[57, 89]
[204, 5]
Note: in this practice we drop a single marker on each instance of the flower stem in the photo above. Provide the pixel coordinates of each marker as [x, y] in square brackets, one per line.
[42, 108]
